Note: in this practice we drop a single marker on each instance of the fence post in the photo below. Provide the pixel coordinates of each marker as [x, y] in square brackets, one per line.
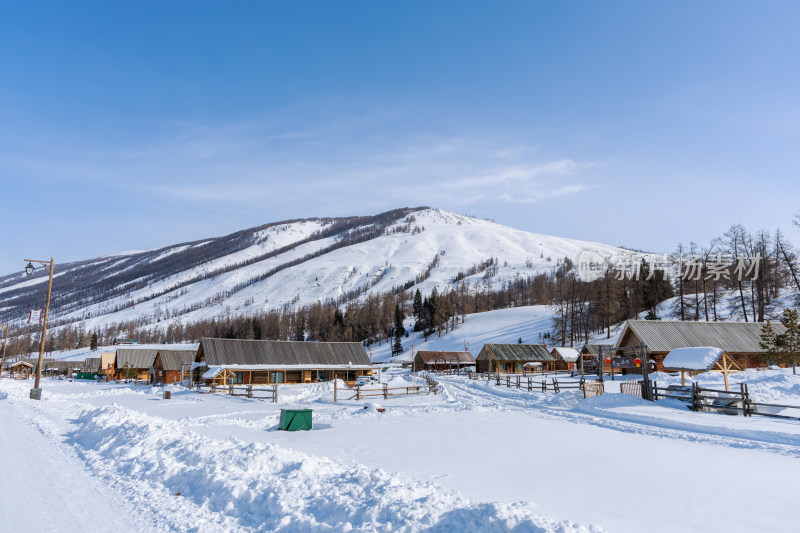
[555, 386]
[358, 392]
[385, 391]
[655, 391]
[745, 399]
[275, 394]
[249, 391]
[695, 398]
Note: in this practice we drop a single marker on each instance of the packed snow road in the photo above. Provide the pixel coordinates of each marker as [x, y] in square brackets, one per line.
[475, 458]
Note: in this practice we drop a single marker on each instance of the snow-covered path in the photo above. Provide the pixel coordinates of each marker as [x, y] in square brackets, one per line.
[475, 458]
[45, 489]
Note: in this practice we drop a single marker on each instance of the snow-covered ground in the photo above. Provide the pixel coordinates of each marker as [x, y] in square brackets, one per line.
[528, 323]
[476, 457]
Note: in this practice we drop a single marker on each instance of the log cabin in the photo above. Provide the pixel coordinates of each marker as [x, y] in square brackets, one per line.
[438, 361]
[256, 362]
[134, 362]
[170, 366]
[565, 356]
[739, 340]
[513, 358]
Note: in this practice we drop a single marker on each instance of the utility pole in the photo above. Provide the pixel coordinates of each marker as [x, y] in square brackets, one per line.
[36, 391]
[5, 344]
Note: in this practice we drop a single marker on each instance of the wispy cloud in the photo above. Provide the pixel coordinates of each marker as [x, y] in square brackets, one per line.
[246, 166]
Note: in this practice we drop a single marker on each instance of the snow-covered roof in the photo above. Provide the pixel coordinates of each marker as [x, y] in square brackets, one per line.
[570, 355]
[697, 358]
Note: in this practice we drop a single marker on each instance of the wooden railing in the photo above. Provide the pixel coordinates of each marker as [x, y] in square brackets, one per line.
[269, 392]
[387, 392]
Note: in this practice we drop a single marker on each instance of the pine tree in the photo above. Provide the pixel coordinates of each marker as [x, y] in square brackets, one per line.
[417, 305]
[399, 331]
[769, 343]
[789, 341]
[93, 342]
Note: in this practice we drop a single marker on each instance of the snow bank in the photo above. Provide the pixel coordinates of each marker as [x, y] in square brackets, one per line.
[234, 486]
[696, 358]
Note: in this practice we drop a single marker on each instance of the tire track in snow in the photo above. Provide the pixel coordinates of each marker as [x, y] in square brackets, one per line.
[536, 403]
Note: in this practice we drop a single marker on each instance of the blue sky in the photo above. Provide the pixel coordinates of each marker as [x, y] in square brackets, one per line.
[134, 125]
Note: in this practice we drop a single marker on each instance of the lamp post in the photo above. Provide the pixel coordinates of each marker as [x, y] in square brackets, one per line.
[3, 360]
[36, 392]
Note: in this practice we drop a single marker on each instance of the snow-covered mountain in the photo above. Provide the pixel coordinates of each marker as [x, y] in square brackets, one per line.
[291, 263]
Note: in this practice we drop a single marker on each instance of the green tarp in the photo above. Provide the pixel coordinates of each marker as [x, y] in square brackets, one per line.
[295, 419]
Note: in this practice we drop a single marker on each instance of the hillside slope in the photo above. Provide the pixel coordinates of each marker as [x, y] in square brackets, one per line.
[292, 263]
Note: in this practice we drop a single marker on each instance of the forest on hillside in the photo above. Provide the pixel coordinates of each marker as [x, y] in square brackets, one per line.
[691, 274]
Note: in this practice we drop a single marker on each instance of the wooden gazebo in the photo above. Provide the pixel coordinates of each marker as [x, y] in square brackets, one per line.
[701, 359]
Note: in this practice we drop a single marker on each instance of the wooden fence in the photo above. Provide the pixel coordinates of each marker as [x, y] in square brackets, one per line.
[386, 392]
[700, 398]
[530, 384]
[593, 388]
[248, 391]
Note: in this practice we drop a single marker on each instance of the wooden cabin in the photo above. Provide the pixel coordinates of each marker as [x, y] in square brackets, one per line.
[565, 356]
[91, 364]
[587, 360]
[258, 362]
[134, 362]
[701, 359]
[739, 340]
[60, 368]
[513, 358]
[170, 366]
[439, 361]
[20, 370]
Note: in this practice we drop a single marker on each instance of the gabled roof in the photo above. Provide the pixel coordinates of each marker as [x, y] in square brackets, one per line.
[594, 349]
[256, 352]
[135, 357]
[19, 363]
[516, 352]
[172, 360]
[570, 355]
[433, 357]
[667, 335]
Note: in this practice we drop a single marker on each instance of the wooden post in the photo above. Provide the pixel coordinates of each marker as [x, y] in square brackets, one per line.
[335, 386]
[3, 361]
[683, 378]
[385, 391]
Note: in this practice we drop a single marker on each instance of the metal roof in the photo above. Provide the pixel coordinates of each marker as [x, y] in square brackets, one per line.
[220, 352]
[173, 359]
[433, 357]
[667, 335]
[516, 352]
[92, 362]
[594, 349]
[135, 357]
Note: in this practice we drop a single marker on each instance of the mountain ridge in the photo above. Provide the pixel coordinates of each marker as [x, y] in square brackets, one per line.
[290, 263]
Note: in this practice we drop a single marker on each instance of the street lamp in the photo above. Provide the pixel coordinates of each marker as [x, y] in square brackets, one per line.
[36, 391]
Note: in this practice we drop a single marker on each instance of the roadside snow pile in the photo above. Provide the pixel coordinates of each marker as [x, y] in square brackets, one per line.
[229, 485]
